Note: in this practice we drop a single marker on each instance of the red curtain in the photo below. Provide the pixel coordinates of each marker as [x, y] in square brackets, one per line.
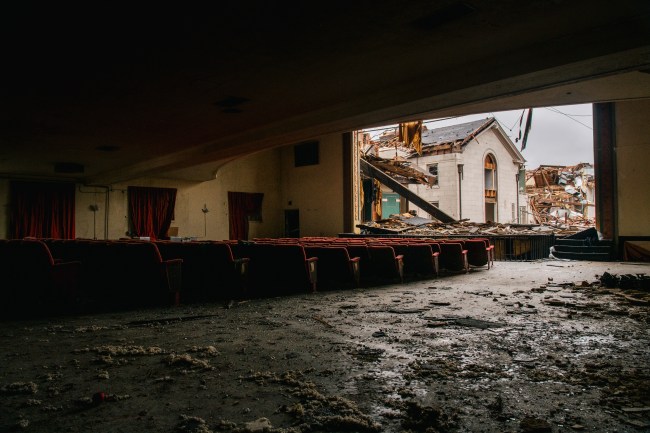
[243, 206]
[42, 210]
[151, 210]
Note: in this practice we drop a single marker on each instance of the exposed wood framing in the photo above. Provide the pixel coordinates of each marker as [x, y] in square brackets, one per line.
[420, 202]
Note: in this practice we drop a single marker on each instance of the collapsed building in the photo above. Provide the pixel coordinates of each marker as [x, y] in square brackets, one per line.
[421, 182]
[562, 195]
[468, 171]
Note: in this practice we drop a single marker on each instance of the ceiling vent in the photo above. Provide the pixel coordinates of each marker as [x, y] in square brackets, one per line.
[68, 167]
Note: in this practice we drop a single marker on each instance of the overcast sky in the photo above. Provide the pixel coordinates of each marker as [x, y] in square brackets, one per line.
[561, 135]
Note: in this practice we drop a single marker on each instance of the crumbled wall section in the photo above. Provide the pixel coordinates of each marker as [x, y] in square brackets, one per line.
[562, 195]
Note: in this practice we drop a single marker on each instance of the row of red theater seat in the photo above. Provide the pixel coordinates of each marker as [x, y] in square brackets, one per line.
[382, 259]
[132, 273]
[53, 276]
[33, 283]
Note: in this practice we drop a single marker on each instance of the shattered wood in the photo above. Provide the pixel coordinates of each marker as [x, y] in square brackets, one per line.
[398, 224]
[562, 195]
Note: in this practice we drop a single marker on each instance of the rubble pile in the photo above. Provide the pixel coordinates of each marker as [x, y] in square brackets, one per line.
[562, 195]
[412, 225]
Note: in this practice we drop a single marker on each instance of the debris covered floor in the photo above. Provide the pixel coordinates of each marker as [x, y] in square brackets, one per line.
[521, 347]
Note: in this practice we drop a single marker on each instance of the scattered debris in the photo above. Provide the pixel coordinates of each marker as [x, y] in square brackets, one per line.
[321, 320]
[427, 418]
[562, 196]
[186, 360]
[20, 388]
[122, 350]
[477, 323]
[367, 354]
[258, 426]
[534, 425]
[98, 397]
[398, 224]
[205, 350]
[192, 424]
[626, 281]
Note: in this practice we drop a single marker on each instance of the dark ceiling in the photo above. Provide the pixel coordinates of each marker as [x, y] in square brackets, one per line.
[175, 91]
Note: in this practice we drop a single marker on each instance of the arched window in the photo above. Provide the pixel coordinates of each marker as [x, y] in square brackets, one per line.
[490, 176]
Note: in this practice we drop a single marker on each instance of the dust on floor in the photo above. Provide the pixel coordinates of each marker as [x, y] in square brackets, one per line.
[535, 347]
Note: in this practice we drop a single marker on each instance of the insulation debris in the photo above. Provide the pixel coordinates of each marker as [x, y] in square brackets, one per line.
[20, 388]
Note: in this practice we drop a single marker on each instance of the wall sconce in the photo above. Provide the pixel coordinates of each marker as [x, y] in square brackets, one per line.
[205, 211]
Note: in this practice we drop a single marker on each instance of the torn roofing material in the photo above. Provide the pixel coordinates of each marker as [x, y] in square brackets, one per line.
[454, 133]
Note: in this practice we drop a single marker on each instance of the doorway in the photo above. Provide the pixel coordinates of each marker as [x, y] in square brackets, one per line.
[490, 212]
[390, 204]
[291, 223]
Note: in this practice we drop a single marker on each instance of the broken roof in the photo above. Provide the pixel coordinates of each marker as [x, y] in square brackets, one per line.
[446, 139]
[454, 133]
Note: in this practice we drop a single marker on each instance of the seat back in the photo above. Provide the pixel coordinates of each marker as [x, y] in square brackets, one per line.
[277, 269]
[221, 277]
[477, 252]
[384, 263]
[335, 268]
[452, 257]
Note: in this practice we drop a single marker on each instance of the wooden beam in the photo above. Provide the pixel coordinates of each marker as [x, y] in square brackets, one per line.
[420, 202]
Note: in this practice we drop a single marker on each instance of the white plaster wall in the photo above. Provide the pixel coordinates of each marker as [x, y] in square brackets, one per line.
[254, 173]
[446, 192]
[632, 162]
[473, 178]
[473, 193]
[316, 190]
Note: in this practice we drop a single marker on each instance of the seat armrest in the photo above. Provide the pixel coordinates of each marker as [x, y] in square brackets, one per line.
[173, 269]
[399, 259]
[465, 261]
[59, 263]
[312, 270]
[241, 265]
[356, 273]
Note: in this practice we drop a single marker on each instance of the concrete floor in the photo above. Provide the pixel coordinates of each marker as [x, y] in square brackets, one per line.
[536, 346]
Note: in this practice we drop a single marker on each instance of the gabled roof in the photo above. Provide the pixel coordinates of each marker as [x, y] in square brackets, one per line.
[454, 138]
[453, 133]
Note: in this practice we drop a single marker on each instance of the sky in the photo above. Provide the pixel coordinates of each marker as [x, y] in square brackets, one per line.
[561, 135]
